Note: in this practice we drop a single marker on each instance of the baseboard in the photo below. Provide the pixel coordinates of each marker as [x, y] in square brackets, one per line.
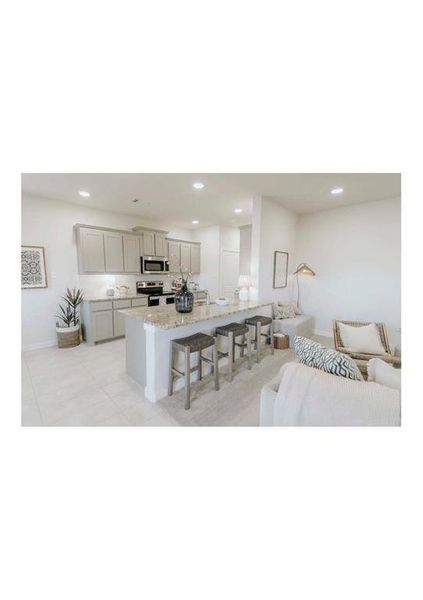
[39, 346]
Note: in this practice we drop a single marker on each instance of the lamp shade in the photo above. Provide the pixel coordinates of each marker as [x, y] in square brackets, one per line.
[304, 269]
[244, 281]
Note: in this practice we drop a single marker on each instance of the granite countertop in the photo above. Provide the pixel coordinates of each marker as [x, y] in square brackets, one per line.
[166, 317]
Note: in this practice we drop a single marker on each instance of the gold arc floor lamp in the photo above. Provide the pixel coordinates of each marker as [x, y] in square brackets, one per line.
[305, 270]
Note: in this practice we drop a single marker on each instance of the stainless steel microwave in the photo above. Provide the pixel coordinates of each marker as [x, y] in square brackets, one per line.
[150, 265]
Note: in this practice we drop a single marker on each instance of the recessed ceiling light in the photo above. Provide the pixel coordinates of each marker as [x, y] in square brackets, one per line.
[198, 185]
[85, 194]
[195, 222]
[238, 210]
[337, 191]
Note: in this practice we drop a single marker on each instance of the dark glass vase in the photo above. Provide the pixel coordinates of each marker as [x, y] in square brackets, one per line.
[184, 300]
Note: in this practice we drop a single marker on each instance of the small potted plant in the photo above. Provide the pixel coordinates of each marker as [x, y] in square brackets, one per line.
[68, 333]
[184, 299]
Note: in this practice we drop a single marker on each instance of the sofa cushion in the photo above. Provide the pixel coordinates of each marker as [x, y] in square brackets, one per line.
[381, 372]
[315, 355]
[363, 338]
[310, 397]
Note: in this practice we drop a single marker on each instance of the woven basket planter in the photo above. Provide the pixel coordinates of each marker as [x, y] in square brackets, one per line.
[68, 337]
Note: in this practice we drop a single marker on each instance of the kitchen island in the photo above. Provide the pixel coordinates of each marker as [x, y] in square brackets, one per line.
[149, 332]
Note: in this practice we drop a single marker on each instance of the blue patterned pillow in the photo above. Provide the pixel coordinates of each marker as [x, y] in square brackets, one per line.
[315, 355]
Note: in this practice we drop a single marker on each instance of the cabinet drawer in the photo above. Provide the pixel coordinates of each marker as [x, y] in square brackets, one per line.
[140, 302]
[121, 304]
[107, 305]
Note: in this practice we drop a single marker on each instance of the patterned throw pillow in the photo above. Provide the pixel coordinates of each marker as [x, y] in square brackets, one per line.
[315, 355]
[284, 311]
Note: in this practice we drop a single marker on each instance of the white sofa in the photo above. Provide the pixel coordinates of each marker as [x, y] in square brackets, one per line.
[304, 396]
[300, 325]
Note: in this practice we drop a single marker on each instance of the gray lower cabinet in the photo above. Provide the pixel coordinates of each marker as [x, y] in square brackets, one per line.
[102, 325]
[101, 320]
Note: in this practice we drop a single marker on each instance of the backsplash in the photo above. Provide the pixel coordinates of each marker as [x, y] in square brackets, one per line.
[98, 284]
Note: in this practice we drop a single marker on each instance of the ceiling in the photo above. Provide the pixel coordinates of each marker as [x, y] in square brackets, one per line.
[171, 196]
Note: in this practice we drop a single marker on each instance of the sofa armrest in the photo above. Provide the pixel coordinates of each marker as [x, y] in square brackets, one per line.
[267, 401]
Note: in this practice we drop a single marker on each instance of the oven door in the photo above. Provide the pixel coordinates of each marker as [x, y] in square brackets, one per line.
[150, 265]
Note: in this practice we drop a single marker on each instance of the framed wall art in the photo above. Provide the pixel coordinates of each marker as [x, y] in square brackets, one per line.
[280, 269]
[33, 267]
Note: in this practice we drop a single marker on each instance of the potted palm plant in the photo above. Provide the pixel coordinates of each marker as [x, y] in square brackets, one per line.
[69, 331]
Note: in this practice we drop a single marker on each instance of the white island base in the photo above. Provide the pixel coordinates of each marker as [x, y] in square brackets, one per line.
[149, 332]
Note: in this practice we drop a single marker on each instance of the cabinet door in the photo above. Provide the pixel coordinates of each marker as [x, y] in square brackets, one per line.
[173, 254]
[149, 249]
[161, 245]
[91, 248]
[118, 323]
[113, 250]
[195, 258]
[102, 323]
[131, 254]
[185, 257]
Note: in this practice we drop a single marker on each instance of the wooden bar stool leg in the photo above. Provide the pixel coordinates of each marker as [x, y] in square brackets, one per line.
[258, 336]
[249, 348]
[187, 378]
[271, 337]
[242, 349]
[216, 367]
[170, 390]
[200, 367]
[230, 354]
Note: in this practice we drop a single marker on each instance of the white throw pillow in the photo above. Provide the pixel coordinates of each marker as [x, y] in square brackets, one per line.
[364, 338]
[283, 311]
[381, 372]
[292, 305]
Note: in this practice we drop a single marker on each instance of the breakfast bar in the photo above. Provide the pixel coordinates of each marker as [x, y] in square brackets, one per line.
[150, 331]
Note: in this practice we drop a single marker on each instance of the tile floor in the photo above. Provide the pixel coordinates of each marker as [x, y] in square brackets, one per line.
[88, 386]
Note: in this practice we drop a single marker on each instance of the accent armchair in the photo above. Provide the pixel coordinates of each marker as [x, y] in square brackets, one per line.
[361, 356]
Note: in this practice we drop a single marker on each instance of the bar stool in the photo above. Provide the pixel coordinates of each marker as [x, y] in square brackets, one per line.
[258, 321]
[232, 331]
[188, 345]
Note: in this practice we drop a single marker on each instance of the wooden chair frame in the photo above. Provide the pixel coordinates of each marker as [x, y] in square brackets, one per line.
[389, 357]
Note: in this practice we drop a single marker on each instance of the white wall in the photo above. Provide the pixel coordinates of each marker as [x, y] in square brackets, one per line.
[213, 240]
[50, 224]
[245, 250]
[356, 254]
[273, 228]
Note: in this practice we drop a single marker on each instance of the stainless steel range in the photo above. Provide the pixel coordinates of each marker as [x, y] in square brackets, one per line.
[155, 293]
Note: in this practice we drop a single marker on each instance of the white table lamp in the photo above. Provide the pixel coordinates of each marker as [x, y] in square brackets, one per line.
[244, 282]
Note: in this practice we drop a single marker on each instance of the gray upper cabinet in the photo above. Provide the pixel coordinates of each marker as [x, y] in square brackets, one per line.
[161, 244]
[195, 258]
[113, 250]
[173, 254]
[117, 251]
[91, 251]
[149, 246]
[131, 254]
[185, 256]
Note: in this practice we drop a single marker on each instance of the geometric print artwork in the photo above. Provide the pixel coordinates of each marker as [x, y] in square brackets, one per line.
[315, 355]
[33, 267]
